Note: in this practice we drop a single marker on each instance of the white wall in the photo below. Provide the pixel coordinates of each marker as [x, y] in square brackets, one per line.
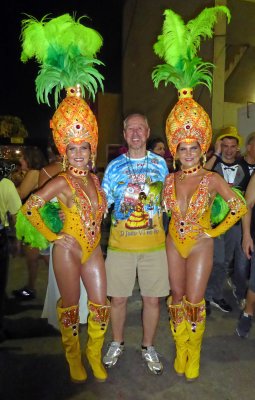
[246, 119]
[230, 116]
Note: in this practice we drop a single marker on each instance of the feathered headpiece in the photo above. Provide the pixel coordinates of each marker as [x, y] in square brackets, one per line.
[178, 46]
[65, 50]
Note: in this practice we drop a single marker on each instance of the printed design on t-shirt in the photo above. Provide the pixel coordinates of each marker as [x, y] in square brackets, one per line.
[139, 204]
[139, 218]
[134, 186]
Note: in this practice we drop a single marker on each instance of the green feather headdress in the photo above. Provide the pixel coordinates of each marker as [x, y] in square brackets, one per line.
[65, 50]
[178, 46]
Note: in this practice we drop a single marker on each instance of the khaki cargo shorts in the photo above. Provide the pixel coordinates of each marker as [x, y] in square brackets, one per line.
[151, 270]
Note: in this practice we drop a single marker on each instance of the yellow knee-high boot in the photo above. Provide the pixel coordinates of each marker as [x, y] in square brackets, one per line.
[69, 327]
[180, 335]
[97, 326]
[195, 322]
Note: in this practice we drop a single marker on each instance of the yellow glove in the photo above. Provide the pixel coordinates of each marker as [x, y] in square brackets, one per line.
[237, 210]
[30, 211]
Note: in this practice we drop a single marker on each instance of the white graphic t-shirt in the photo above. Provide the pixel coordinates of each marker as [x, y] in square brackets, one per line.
[134, 186]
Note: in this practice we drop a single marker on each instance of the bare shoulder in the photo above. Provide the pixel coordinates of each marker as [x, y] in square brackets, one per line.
[57, 186]
[29, 183]
[217, 183]
[59, 179]
[250, 191]
[251, 184]
[215, 178]
[53, 169]
[32, 174]
[59, 182]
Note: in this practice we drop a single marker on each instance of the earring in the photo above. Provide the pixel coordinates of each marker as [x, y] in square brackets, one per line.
[204, 159]
[93, 160]
[64, 163]
[174, 164]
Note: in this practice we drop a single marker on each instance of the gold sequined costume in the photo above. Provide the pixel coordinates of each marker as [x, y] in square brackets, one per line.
[184, 229]
[66, 50]
[188, 122]
[81, 221]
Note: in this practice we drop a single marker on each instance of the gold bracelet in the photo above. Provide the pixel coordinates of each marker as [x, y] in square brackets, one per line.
[35, 201]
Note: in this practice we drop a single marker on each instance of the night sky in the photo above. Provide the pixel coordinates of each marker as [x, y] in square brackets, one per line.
[17, 79]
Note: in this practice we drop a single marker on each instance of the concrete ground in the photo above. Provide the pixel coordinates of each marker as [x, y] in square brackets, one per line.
[32, 364]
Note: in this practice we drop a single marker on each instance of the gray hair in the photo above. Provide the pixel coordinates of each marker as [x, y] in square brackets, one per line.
[135, 115]
[250, 138]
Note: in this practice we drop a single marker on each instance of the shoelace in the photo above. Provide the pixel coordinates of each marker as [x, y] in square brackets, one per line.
[113, 349]
[151, 354]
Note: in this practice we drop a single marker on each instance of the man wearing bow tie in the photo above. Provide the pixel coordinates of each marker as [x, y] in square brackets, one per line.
[227, 162]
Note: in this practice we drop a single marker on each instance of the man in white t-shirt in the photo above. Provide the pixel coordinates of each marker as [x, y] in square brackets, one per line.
[133, 183]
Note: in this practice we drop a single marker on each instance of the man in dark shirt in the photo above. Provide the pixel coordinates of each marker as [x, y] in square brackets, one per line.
[226, 162]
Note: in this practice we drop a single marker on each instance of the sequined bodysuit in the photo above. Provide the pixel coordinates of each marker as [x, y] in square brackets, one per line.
[185, 229]
[82, 221]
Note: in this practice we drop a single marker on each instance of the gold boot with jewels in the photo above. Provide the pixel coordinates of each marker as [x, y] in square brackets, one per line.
[97, 325]
[69, 327]
[180, 334]
[195, 322]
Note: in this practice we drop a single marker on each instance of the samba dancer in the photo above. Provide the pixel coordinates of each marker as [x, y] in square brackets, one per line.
[189, 193]
[78, 191]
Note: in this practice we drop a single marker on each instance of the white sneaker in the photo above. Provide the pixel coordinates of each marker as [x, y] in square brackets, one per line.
[151, 357]
[113, 353]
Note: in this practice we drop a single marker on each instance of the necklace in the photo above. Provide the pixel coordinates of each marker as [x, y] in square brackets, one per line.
[189, 171]
[139, 176]
[79, 173]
